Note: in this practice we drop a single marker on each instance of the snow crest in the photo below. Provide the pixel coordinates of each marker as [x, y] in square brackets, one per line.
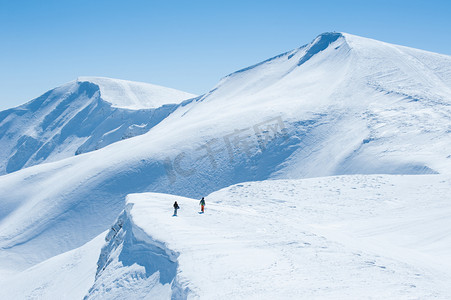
[135, 95]
[133, 265]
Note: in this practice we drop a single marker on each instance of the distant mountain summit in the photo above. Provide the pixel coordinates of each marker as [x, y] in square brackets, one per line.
[135, 95]
[81, 116]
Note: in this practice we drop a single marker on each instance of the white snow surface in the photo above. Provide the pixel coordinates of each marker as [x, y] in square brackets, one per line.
[79, 117]
[66, 276]
[340, 105]
[136, 95]
[348, 237]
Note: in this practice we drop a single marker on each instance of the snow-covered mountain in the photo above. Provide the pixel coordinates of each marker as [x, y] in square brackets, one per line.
[353, 237]
[81, 116]
[340, 105]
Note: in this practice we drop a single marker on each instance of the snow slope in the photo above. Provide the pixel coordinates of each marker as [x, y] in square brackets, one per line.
[352, 236]
[331, 237]
[66, 276]
[340, 105]
[81, 116]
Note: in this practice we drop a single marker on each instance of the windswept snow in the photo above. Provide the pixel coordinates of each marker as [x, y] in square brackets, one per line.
[339, 105]
[335, 120]
[352, 236]
[332, 237]
[136, 95]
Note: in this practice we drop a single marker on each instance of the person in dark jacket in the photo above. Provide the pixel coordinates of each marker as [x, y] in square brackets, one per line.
[176, 206]
[202, 204]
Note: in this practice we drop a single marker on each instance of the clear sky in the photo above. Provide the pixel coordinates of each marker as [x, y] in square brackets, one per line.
[187, 45]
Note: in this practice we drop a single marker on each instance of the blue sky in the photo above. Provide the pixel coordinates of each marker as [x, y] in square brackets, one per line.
[187, 45]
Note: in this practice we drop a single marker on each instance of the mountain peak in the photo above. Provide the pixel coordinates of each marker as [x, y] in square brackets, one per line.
[320, 43]
[329, 35]
[135, 95]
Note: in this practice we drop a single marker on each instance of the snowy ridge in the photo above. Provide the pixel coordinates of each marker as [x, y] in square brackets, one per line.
[79, 117]
[344, 236]
[303, 53]
[355, 236]
[337, 116]
[134, 266]
[135, 95]
[340, 105]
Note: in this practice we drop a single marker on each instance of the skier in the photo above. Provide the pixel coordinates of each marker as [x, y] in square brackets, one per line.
[202, 204]
[176, 206]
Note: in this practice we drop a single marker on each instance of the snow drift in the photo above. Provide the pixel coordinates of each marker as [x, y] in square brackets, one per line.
[132, 265]
[339, 105]
[351, 236]
[381, 236]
